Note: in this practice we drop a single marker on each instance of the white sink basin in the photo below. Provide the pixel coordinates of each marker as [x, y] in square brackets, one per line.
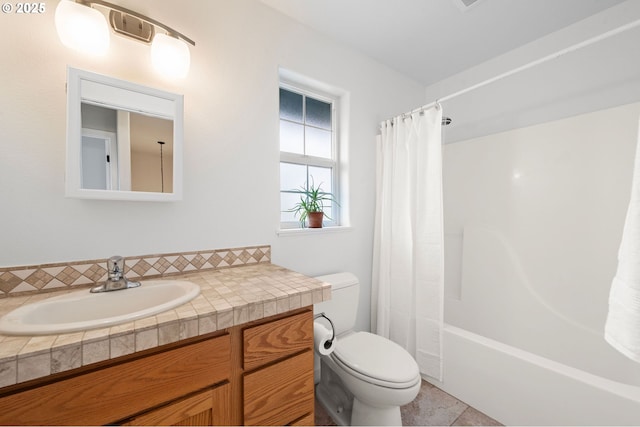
[81, 310]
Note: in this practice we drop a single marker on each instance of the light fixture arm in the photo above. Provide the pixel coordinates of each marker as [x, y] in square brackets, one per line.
[137, 15]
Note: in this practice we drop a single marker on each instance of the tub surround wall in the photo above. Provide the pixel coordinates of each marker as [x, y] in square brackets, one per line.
[533, 219]
[537, 215]
[537, 172]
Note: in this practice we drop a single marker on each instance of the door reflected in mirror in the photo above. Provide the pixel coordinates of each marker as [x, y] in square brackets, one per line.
[125, 151]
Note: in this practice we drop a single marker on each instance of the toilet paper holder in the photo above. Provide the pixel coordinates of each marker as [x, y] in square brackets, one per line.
[333, 330]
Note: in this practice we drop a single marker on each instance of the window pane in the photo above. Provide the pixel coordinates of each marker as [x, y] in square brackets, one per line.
[318, 143]
[318, 113]
[290, 105]
[306, 129]
[292, 176]
[287, 201]
[328, 210]
[321, 177]
[291, 137]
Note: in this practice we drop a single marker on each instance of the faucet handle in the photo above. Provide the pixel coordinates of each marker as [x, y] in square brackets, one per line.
[115, 267]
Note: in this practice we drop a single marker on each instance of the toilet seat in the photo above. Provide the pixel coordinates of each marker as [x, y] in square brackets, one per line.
[376, 360]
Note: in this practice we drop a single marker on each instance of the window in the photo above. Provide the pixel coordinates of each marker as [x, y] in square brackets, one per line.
[308, 150]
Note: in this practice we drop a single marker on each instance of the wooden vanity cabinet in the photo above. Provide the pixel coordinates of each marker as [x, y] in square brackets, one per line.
[278, 384]
[112, 392]
[257, 373]
[206, 408]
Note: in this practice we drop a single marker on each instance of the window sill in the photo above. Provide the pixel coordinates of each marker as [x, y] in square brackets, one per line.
[288, 232]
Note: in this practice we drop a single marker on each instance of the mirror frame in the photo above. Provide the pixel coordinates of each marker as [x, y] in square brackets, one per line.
[118, 94]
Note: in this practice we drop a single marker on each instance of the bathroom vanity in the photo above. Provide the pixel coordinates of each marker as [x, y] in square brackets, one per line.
[260, 373]
[254, 372]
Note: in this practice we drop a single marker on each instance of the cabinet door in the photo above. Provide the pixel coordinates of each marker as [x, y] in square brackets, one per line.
[307, 420]
[116, 392]
[207, 408]
[280, 393]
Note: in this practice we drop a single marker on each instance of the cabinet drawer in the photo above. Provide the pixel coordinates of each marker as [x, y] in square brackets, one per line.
[271, 341]
[119, 391]
[207, 408]
[280, 393]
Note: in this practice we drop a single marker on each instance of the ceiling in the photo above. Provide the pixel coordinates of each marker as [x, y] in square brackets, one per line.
[429, 40]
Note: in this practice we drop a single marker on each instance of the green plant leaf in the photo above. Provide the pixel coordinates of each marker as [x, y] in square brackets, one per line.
[312, 199]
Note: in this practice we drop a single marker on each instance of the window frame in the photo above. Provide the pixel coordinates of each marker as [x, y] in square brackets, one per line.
[307, 160]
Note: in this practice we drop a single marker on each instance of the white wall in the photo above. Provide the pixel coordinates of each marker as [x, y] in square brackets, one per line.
[231, 140]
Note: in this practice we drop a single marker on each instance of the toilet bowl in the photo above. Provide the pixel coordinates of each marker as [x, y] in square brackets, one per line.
[366, 379]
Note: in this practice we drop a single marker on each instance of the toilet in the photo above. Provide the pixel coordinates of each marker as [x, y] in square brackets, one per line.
[366, 378]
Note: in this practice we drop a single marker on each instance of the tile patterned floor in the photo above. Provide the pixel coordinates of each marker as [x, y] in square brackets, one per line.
[432, 407]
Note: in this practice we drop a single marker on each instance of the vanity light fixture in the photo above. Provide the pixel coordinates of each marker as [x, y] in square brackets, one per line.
[84, 28]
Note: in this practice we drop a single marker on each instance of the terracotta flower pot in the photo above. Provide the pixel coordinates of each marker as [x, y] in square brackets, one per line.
[315, 219]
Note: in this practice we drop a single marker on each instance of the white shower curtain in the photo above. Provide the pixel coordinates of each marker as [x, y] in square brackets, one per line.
[408, 260]
[622, 329]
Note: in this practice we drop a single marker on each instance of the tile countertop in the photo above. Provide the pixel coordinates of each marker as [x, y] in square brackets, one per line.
[228, 297]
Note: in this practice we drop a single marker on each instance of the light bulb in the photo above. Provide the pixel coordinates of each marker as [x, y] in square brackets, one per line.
[82, 28]
[170, 56]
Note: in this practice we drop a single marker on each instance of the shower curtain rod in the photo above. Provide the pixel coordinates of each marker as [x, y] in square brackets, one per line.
[542, 60]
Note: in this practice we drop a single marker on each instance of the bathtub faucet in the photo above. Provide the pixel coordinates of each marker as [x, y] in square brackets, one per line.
[116, 280]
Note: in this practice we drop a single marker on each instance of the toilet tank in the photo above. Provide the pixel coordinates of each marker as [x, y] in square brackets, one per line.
[343, 305]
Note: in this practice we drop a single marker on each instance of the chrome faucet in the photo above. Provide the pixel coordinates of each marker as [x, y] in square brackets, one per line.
[116, 280]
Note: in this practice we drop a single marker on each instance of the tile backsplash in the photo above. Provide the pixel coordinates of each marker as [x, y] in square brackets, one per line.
[48, 277]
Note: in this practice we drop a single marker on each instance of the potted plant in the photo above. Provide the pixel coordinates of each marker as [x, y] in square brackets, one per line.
[311, 205]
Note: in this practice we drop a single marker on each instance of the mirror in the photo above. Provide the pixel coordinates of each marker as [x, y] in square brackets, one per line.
[124, 141]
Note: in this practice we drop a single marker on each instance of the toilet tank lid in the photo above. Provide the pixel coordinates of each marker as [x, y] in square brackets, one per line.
[339, 280]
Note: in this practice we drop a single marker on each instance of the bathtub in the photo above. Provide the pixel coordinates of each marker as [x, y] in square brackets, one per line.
[511, 353]
[517, 387]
